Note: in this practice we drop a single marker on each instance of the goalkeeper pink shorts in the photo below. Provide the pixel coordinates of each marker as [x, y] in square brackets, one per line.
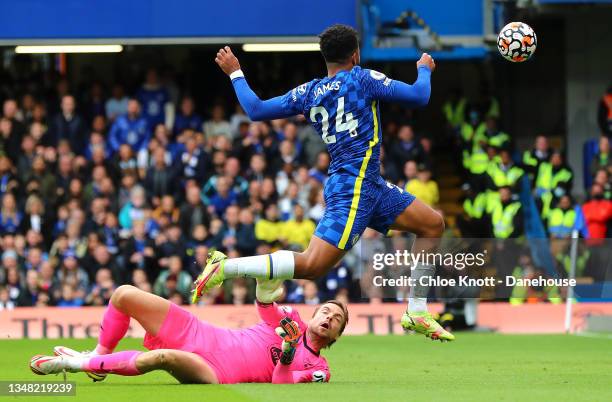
[181, 330]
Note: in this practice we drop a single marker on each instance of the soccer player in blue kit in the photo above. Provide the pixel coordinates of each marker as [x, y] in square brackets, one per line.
[344, 109]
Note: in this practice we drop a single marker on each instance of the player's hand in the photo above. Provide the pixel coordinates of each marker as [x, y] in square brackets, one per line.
[290, 333]
[227, 61]
[427, 61]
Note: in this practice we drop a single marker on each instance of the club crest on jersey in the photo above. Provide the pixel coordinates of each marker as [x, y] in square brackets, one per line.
[301, 90]
[331, 86]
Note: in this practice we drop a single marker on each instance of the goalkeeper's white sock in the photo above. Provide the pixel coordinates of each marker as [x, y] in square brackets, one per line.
[278, 265]
[417, 298]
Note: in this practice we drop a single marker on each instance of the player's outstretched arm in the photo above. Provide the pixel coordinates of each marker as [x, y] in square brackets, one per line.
[415, 95]
[254, 107]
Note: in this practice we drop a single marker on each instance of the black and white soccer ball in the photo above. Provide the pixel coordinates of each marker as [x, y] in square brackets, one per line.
[517, 42]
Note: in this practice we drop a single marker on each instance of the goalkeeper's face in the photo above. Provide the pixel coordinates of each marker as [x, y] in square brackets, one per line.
[328, 322]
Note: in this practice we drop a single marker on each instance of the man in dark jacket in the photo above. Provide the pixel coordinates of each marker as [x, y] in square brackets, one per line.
[69, 125]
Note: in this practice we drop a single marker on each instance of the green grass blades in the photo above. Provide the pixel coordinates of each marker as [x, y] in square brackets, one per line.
[476, 367]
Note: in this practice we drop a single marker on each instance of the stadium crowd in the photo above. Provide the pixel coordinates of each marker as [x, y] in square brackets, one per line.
[98, 191]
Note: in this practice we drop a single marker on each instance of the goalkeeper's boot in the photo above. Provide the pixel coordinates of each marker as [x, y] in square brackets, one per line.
[212, 275]
[43, 365]
[64, 351]
[423, 323]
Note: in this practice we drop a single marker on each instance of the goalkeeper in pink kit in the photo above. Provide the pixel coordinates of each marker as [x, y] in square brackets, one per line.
[282, 349]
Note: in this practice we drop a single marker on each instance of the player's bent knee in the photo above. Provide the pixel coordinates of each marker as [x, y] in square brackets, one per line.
[120, 295]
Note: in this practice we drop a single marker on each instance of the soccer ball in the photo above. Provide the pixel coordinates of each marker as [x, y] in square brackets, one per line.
[517, 42]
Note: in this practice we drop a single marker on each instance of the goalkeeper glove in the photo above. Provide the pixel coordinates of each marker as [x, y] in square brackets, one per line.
[290, 333]
[269, 290]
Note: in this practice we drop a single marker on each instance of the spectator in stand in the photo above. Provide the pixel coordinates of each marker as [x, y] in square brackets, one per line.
[94, 102]
[155, 100]
[603, 159]
[533, 158]
[8, 180]
[24, 161]
[70, 272]
[131, 129]
[562, 218]
[289, 201]
[45, 179]
[503, 171]
[296, 232]
[506, 216]
[604, 113]
[193, 212]
[193, 161]
[597, 213]
[117, 105]
[217, 125]
[102, 289]
[240, 292]
[423, 187]
[101, 258]
[70, 297]
[5, 299]
[411, 169]
[268, 229]
[35, 217]
[231, 171]
[133, 210]
[70, 126]
[319, 171]
[388, 167]
[187, 117]
[140, 280]
[96, 141]
[246, 241]
[125, 161]
[602, 177]
[160, 179]
[11, 128]
[10, 216]
[223, 198]
[173, 279]
[138, 251]
[166, 213]
[28, 296]
[406, 148]
[554, 179]
[230, 228]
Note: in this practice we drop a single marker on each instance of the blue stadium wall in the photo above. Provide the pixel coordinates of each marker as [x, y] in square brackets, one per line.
[78, 19]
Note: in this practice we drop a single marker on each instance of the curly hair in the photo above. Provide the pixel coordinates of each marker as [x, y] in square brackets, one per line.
[338, 42]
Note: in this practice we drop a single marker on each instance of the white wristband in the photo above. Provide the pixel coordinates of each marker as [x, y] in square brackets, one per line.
[236, 74]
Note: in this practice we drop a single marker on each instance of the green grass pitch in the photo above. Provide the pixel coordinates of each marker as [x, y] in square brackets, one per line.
[477, 367]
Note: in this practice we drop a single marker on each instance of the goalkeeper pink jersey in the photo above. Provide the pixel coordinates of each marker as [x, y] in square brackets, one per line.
[242, 355]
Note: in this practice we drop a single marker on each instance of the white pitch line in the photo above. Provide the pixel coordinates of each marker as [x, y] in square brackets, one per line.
[593, 335]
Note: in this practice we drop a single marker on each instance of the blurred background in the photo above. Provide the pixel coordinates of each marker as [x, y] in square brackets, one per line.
[126, 159]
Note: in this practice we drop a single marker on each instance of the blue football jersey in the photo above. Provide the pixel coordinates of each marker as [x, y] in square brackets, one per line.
[153, 102]
[344, 111]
